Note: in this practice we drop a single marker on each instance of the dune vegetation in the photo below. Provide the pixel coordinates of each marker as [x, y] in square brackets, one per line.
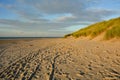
[111, 28]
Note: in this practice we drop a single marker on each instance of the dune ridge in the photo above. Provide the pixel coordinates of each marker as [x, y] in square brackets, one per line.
[110, 28]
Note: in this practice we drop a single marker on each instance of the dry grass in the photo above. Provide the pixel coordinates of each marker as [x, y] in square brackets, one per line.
[111, 29]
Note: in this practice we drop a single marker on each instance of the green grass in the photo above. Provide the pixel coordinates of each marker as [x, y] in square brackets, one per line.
[111, 29]
[113, 33]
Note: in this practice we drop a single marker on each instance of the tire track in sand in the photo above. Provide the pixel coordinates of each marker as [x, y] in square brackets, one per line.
[24, 68]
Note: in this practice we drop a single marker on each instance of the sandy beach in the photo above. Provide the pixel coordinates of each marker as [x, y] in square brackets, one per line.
[59, 59]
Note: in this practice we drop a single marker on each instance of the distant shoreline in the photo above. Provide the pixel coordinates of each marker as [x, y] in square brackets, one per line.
[17, 38]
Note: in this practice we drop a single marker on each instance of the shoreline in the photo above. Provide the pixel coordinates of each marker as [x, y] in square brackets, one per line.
[12, 38]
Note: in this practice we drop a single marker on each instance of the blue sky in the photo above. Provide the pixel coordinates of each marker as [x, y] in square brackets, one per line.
[51, 18]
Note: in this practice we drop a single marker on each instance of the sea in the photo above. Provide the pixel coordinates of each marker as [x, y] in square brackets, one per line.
[12, 38]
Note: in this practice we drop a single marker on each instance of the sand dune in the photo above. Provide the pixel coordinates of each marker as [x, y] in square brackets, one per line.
[60, 59]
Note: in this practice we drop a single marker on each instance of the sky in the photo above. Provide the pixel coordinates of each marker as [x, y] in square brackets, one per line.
[52, 18]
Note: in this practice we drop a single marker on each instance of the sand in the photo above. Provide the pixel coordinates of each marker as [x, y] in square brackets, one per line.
[60, 59]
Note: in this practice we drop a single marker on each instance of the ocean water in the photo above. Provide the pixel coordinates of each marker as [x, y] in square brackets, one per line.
[11, 38]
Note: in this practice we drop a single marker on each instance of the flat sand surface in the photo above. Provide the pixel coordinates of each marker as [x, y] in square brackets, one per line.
[59, 59]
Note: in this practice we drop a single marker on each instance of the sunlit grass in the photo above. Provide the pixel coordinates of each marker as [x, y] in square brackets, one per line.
[113, 33]
[111, 29]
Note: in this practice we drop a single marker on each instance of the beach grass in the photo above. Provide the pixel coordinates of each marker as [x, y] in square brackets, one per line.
[110, 27]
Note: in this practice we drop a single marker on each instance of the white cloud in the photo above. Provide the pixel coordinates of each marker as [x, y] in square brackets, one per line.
[64, 18]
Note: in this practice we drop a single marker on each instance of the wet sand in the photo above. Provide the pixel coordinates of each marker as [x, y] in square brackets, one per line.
[60, 59]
